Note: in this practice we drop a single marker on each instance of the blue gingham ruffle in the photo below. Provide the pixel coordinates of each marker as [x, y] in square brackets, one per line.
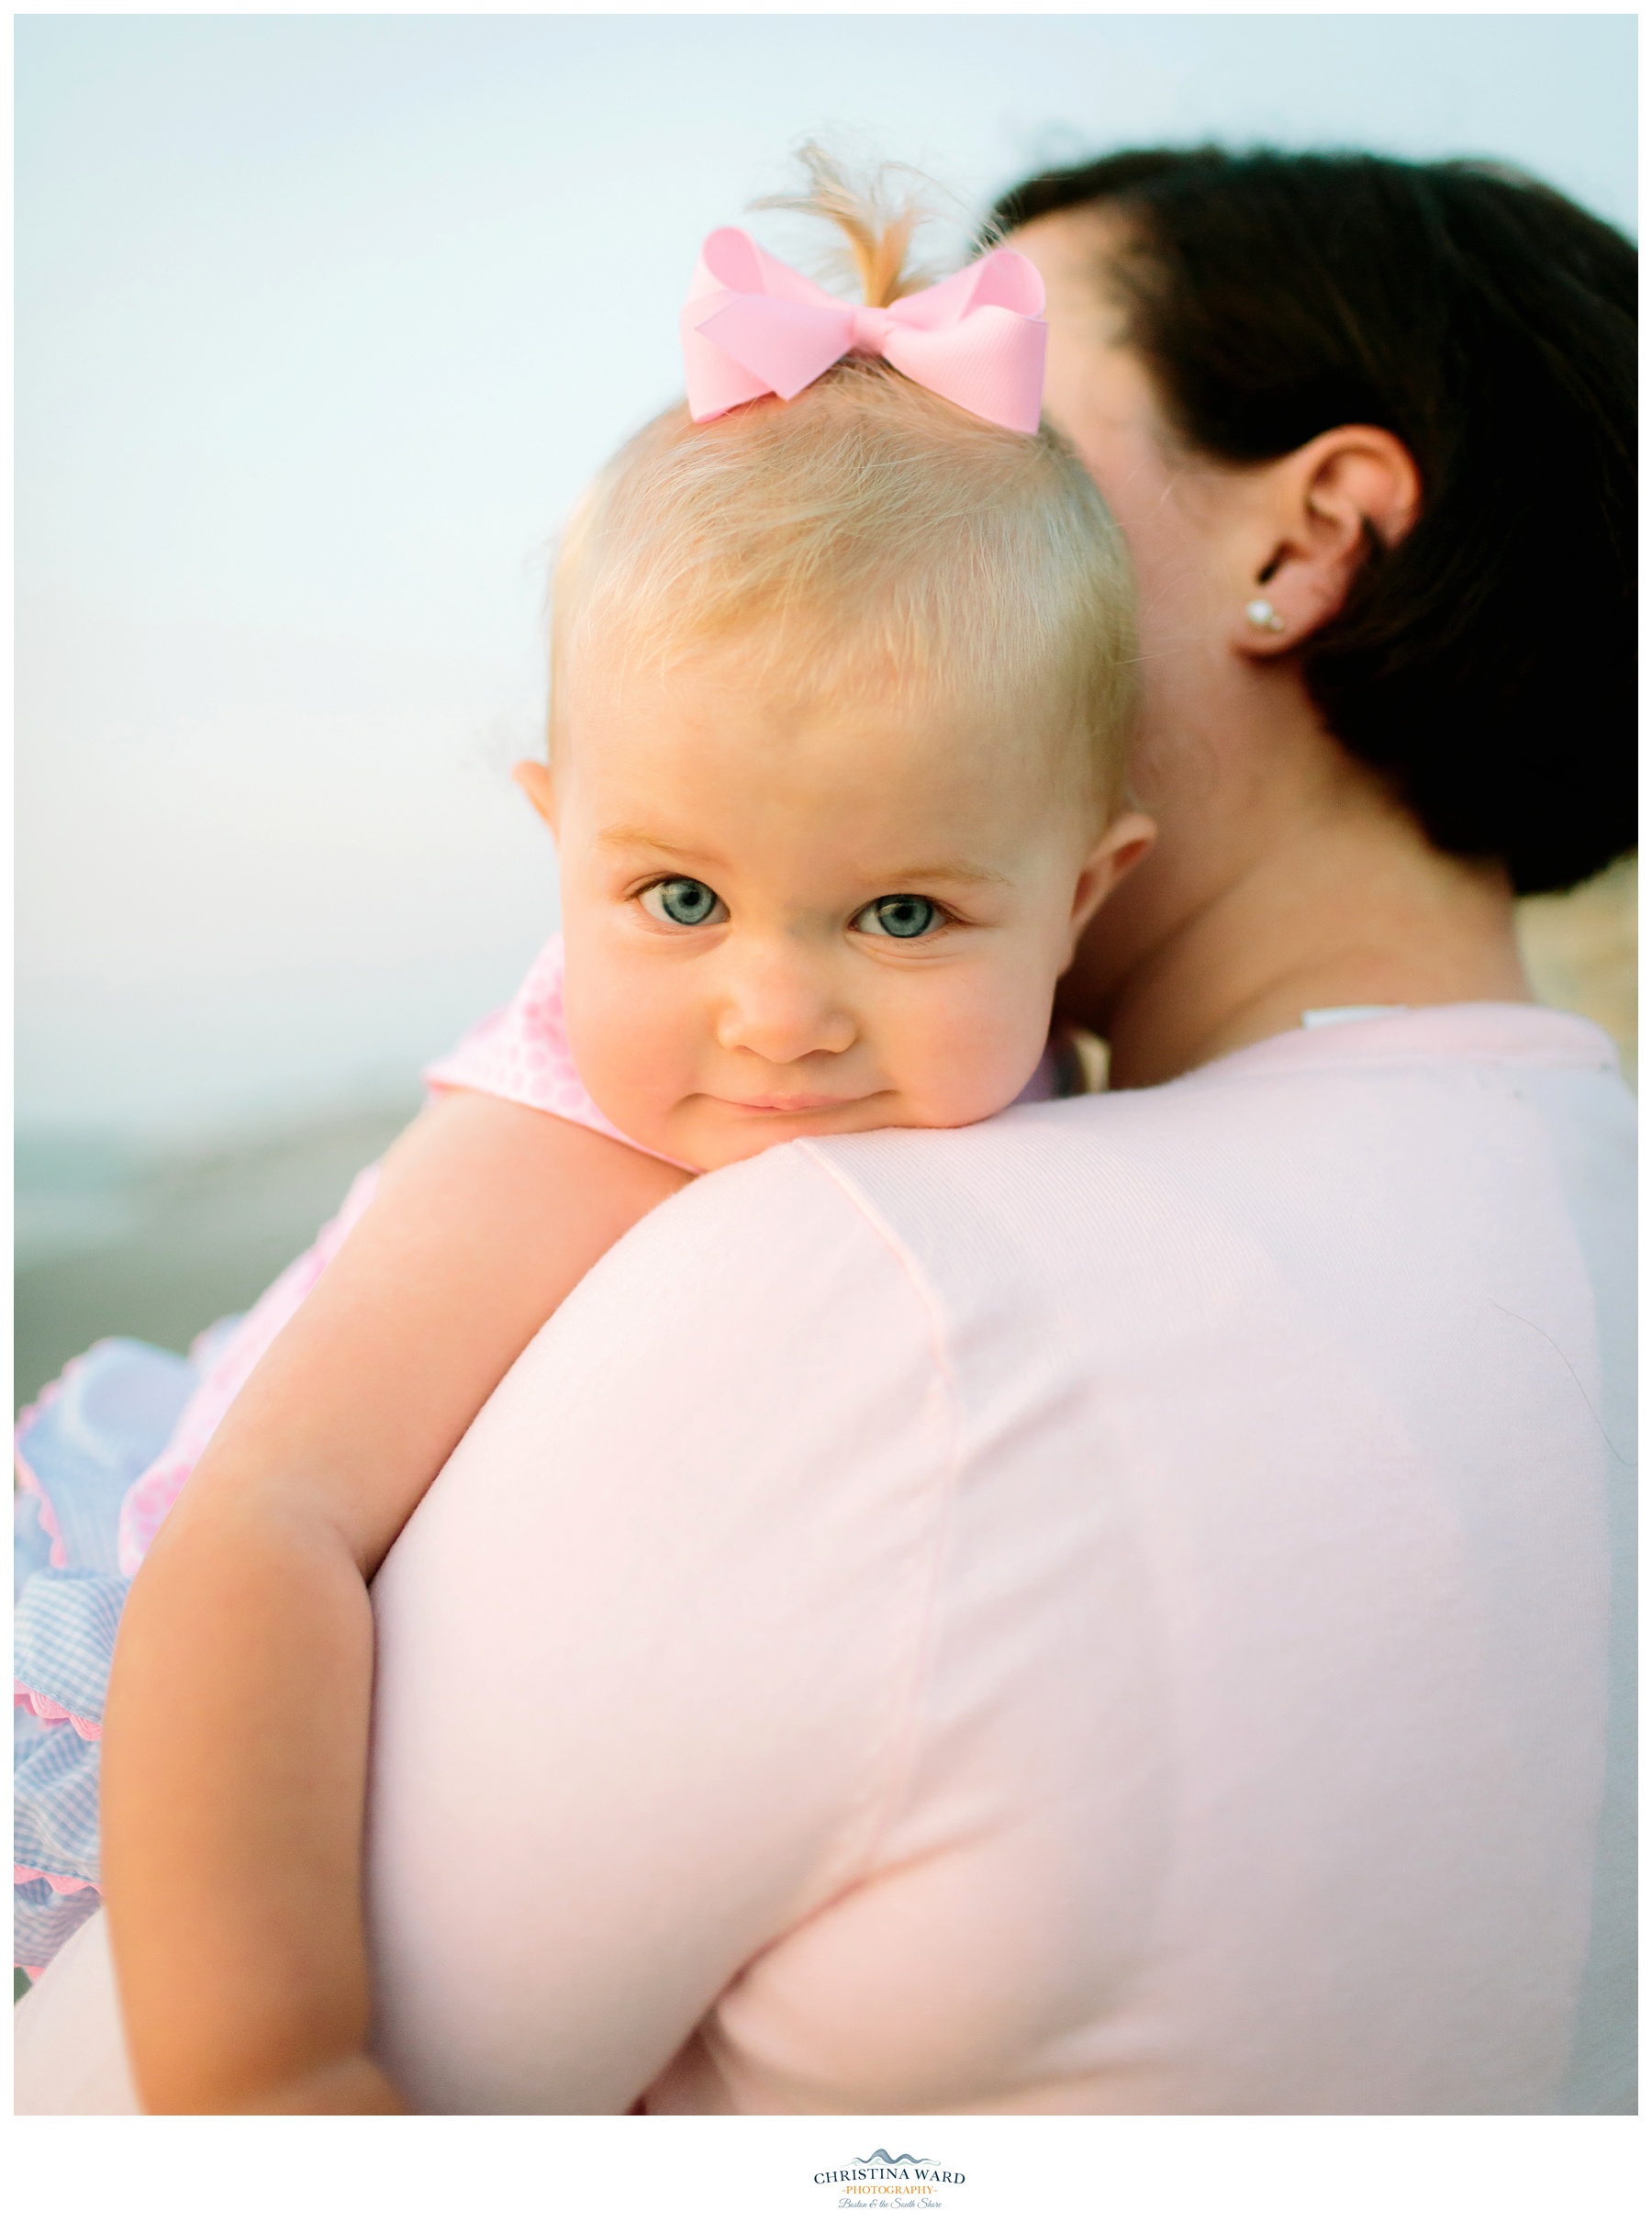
[79, 1449]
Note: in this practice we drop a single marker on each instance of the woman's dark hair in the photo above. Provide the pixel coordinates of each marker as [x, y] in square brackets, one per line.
[1486, 662]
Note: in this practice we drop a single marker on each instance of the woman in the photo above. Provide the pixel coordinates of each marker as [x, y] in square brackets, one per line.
[1213, 317]
[1121, 1608]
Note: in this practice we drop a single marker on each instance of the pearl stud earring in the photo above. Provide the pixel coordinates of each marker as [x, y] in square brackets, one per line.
[1261, 614]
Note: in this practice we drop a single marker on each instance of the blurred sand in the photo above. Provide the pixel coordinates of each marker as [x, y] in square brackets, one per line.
[170, 1242]
[114, 1243]
[1581, 953]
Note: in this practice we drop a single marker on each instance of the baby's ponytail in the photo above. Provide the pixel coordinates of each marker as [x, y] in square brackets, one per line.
[878, 218]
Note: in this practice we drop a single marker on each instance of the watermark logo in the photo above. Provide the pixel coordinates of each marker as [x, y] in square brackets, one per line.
[883, 2182]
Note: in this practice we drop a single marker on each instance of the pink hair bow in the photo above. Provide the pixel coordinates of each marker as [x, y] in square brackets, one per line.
[754, 327]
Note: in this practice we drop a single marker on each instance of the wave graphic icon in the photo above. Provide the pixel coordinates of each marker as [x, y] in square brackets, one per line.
[882, 2155]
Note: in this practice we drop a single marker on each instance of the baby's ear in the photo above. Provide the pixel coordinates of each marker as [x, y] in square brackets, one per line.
[1127, 838]
[532, 778]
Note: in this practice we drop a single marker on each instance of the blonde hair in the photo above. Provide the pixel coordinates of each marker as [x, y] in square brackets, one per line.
[865, 535]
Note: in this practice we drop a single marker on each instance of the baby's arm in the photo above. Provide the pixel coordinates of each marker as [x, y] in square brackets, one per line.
[235, 1736]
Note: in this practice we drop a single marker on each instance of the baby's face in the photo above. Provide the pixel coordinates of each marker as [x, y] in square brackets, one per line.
[786, 916]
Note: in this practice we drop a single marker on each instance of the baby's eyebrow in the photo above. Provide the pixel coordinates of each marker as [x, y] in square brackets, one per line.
[952, 872]
[630, 837]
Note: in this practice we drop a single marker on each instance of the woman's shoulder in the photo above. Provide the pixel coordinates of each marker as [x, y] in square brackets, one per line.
[1405, 1137]
[1436, 1147]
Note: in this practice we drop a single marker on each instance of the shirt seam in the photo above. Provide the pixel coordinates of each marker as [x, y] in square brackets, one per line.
[1218, 1073]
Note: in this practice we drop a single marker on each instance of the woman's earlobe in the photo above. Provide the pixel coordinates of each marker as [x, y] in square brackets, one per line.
[1330, 502]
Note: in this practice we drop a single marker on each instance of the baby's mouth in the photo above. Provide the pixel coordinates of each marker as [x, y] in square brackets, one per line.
[790, 1104]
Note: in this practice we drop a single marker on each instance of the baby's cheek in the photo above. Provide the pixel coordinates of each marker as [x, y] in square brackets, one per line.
[623, 1061]
[968, 1053]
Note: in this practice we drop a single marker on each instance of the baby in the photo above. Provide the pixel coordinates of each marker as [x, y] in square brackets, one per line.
[840, 685]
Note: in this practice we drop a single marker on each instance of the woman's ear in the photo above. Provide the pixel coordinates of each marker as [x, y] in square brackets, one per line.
[532, 778]
[1126, 839]
[1315, 510]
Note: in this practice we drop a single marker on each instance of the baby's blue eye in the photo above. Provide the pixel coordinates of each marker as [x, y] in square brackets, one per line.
[901, 915]
[681, 899]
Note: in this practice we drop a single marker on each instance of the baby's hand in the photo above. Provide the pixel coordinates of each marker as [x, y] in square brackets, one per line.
[236, 1727]
[354, 2087]
[350, 2085]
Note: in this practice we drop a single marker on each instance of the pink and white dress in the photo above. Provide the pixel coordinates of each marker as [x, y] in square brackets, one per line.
[520, 1053]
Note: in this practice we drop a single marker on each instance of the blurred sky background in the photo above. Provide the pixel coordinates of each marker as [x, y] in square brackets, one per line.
[322, 322]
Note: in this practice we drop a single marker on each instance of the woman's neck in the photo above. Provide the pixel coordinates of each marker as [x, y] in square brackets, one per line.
[1333, 899]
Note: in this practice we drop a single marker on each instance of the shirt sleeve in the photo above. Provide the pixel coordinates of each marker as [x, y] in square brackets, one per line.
[648, 1652]
[520, 1052]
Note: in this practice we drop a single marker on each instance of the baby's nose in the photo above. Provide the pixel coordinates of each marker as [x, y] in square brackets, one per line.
[781, 1014]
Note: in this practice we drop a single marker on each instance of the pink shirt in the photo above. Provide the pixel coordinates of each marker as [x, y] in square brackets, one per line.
[1118, 1609]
